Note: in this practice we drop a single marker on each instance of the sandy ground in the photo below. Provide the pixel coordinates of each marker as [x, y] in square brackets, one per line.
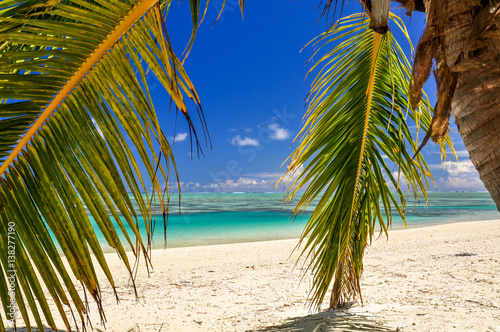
[438, 278]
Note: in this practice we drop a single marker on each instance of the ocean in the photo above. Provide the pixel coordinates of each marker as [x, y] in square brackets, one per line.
[208, 218]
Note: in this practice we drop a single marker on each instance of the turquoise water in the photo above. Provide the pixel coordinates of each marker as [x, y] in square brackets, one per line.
[207, 219]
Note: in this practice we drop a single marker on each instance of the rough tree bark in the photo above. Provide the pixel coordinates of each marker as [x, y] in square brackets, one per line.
[463, 37]
[473, 50]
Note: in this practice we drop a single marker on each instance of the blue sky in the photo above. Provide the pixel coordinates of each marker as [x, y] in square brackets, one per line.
[250, 76]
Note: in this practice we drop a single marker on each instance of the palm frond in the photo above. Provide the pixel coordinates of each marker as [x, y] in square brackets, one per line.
[357, 127]
[76, 122]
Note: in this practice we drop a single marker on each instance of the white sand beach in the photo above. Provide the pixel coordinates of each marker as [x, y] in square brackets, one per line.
[437, 278]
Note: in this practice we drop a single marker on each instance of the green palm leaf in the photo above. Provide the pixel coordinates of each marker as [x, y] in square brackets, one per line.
[356, 128]
[76, 122]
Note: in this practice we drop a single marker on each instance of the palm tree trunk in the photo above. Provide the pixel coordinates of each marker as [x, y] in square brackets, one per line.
[472, 48]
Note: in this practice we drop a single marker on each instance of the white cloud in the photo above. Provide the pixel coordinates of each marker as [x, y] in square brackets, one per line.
[451, 176]
[461, 176]
[400, 181]
[185, 187]
[460, 168]
[264, 175]
[277, 133]
[247, 141]
[457, 183]
[245, 129]
[397, 175]
[462, 153]
[179, 137]
[292, 176]
[252, 182]
[243, 184]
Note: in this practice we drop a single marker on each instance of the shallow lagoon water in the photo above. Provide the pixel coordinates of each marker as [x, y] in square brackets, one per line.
[207, 219]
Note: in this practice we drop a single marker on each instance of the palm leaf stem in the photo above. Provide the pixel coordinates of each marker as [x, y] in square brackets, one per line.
[137, 12]
[369, 94]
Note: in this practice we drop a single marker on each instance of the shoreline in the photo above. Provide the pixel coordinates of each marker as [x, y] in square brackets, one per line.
[214, 242]
[436, 278]
[398, 227]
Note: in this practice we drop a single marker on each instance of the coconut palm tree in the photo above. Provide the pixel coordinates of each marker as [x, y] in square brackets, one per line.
[76, 122]
[82, 66]
[463, 39]
[357, 119]
[461, 42]
[357, 127]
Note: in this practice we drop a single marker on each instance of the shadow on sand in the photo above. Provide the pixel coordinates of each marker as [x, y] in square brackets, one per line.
[33, 329]
[332, 320]
[49, 329]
